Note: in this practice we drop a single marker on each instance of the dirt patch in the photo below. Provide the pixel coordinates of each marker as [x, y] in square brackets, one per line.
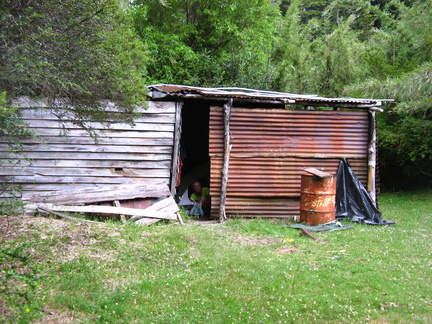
[258, 240]
[268, 241]
[204, 222]
[285, 250]
[65, 238]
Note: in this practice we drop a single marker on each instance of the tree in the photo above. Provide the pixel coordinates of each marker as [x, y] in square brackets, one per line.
[210, 43]
[400, 55]
[310, 9]
[414, 27]
[75, 53]
[405, 128]
[342, 59]
[293, 55]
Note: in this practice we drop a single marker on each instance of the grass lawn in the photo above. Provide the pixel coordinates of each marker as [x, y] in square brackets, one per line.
[244, 271]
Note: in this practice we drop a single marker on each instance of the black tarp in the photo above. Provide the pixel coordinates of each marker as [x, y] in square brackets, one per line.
[353, 202]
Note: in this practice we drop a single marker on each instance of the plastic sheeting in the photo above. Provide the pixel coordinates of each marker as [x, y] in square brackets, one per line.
[353, 202]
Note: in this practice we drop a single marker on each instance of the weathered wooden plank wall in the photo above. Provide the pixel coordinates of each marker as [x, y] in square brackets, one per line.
[123, 154]
[270, 149]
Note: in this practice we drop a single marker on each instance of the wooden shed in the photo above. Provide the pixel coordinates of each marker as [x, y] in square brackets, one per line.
[250, 147]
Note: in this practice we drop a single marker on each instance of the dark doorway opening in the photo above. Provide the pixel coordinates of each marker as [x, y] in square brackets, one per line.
[194, 147]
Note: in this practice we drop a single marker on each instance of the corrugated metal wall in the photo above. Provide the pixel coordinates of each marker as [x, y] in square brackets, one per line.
[270, 149]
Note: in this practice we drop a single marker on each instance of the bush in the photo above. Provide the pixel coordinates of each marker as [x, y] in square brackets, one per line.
[12, 131]
[18, 280]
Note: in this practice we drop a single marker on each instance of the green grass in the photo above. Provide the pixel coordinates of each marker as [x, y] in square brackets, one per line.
[245, 271]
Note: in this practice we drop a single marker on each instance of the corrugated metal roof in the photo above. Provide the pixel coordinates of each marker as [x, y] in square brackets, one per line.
[166, 91]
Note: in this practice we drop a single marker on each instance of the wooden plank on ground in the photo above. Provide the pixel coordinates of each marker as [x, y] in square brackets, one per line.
[165, 209]
[306, 232]
[167, 206]
[147, 221]
[75, 219]
[122, 217]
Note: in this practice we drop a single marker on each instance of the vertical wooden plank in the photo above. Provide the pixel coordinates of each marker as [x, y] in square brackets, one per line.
[122, 217]
[176, 147]
[371, 187]
[227, 150]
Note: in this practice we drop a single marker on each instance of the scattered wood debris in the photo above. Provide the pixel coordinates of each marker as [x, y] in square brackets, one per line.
[75, 219]
[164, 208]
[307, 233]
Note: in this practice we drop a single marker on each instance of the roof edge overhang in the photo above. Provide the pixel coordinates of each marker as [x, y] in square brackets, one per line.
[181, 92]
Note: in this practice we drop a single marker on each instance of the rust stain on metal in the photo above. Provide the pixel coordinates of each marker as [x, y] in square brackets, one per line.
[272, 147]
[317, 199]
[158, 91]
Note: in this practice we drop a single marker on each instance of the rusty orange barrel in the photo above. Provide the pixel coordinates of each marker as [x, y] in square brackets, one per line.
[317, 197]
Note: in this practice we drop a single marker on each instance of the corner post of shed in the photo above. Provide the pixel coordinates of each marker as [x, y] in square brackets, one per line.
[372, 154]
[227, 152]
[176, 148]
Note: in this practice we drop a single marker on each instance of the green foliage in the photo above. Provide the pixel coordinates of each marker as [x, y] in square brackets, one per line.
[379, 60]
[310, 9]
[12, 131]
[399, 64]
[293, 55]
[399, 46]
[75, 53]
[18, 280]
[323, 55]
[331, 13]
[366, 16]
[206, 42]
[12, 204]
[405, 128]
[342, 59]
[414, 28]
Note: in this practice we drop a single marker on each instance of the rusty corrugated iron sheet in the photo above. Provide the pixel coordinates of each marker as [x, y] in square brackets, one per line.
[259, 207]
[164, 91]
[272, 147]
